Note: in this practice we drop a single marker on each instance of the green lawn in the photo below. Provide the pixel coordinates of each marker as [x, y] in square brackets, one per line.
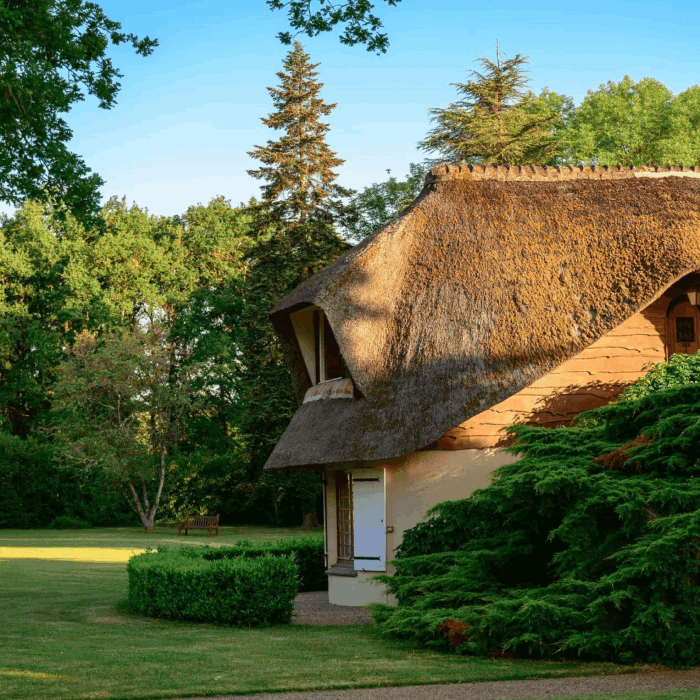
[65, 633]
[137, 538]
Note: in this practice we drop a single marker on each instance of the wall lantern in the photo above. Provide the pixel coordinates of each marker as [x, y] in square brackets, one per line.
[693, 296]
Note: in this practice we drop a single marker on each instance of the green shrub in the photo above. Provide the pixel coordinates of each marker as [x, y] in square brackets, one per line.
[588, 545]
[680, 370]
[29, 483]
[307, 552]
[184, 584]
[68, 522]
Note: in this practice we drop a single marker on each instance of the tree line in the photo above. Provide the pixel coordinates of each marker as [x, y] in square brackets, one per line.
[138, 369]
[136, 356]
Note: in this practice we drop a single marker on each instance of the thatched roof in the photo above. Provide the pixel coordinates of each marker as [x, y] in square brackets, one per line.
[492, 278]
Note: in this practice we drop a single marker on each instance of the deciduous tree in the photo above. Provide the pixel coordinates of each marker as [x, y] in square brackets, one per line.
[119, 408]
[642, 123]
[53, 52]
[380, 202]
[360, 25]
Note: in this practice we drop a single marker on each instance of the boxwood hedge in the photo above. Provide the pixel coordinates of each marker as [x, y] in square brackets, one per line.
[244, 585]
[186, 584]
[306, 551]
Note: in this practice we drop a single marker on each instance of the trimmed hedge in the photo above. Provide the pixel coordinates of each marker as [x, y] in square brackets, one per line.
[308, 553]
[187, 584]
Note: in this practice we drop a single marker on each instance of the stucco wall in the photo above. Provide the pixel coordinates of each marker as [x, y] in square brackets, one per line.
[413, 484]
[589, 380]
[416, 482]
[356, 590]
[424, 479]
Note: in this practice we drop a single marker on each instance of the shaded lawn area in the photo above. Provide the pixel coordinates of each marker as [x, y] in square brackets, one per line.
[65, 633]
[137, 538]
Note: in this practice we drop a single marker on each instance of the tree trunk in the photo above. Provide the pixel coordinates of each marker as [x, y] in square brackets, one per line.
[310, 521]
[145, 518]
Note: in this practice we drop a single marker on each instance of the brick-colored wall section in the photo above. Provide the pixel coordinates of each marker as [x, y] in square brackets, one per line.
[591, 379]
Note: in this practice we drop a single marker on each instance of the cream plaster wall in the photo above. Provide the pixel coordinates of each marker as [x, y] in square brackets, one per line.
[356, 590]
[303, 324]
[423, 479]
[413, 484]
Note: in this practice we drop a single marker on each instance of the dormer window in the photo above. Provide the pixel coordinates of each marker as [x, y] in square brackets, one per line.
[318, 345]
[329, 362]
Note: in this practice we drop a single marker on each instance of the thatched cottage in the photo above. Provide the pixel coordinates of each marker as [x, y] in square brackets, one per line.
[501, 296]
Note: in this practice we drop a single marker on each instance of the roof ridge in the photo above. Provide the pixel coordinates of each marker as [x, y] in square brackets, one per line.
[540, 173]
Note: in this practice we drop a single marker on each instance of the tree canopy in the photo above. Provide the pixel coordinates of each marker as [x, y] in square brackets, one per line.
[294, 228]
[642, 123]
[378, 203]
[360, 26]
[496, 120]
[53, 53]
[119, 407]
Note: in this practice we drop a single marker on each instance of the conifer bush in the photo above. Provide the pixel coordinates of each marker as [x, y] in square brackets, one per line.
[587, 546]
[184, 584]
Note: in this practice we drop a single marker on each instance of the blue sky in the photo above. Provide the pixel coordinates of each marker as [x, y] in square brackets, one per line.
[187, 114]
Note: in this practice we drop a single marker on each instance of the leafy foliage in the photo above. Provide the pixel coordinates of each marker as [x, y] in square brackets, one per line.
[28, 481]
[119, 408]
[496, 121]
[51, 54]
[680, 370]
[628, 123]
[361, 26]
[69, 522]
[587, 545]
[307, 552]
[380, 202]
[184, 584]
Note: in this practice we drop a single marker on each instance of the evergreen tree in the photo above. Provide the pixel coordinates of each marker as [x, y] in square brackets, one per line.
[496, 121]
[587, 545]
[295, 236]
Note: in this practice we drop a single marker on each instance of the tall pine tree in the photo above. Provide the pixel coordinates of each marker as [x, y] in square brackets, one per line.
[496, 121]
[295, 234]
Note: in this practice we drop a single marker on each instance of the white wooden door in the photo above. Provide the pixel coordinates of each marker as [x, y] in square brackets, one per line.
[368, 518]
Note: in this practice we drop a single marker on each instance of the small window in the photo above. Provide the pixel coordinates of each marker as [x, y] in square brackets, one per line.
[685, 330]
[329, 361]
[344, 516]
[333, 362]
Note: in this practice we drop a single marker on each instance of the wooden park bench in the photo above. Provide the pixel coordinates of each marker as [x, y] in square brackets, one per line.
[199, 522]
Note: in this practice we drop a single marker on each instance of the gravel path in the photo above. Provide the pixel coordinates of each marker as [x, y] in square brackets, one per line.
[314, 609]
[501, 690]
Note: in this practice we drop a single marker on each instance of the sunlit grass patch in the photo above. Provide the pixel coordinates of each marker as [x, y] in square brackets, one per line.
[96, 555]
[33, 674]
